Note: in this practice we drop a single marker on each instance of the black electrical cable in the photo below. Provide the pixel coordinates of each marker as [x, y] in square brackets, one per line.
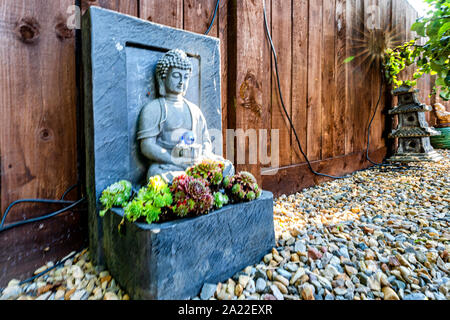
[62, 201]
[70, 256]
[41, 218]
[370, 126]
[68, 191]
[49, 269]
[269, 37]
[30, 201]
[213, 18]
[72, 204]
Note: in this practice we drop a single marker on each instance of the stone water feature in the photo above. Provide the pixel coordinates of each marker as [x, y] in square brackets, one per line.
[171, 260]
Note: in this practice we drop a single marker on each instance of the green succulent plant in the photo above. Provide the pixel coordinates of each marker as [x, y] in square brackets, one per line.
[191, 196]
[150, 201]
[242, 187]
[116, 194]
[211, 171]
[220, 200]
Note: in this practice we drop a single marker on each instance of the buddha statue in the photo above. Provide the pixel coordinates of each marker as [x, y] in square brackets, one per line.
[442, 115]
[172, 131]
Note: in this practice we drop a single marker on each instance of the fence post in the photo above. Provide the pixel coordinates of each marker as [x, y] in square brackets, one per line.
[246, 40]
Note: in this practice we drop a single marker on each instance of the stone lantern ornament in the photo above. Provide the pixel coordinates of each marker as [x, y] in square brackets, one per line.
[413, 131]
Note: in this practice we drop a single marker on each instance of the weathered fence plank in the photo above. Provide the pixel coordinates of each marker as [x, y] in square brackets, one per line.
[245, 76]
[37, 132]
[130, 7]
[170, 14]
[374, 28]
[223, 36]
[266, 87]
[282, 39]
[197, 16]
[350, 80]
[361, 86]
[315, 52]
[340, 86]
[328, 102]
[300, 20]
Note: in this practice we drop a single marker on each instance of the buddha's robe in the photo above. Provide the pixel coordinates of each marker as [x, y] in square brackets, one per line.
[153, 124]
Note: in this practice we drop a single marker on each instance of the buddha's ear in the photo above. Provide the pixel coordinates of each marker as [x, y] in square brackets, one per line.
[161, 87]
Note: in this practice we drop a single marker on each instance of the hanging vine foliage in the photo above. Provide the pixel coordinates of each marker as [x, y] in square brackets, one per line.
[432, 57]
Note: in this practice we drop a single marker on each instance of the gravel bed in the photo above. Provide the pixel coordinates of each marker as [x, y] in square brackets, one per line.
[76, 279]
[379, 234]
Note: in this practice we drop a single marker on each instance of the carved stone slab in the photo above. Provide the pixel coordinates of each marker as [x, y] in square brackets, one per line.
[172, 260]
[119, 58]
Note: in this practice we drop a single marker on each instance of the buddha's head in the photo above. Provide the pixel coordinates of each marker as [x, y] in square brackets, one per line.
[173, 73]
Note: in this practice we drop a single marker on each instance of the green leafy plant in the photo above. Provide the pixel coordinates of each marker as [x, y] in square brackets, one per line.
[396, 60]
[242, 187]
[211, 171]
[192, 196]
[432, 57]
[349, 59]
[116, 194]
[150, 201]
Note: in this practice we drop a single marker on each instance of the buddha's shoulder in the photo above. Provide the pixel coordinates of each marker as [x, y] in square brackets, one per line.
[195, 108]
[152, 107]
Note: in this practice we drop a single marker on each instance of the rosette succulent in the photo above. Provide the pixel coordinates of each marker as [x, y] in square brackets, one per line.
[211, 171]
[220, 199]
[116, 194]
[150, 201]
[191, 196]
[242, 187]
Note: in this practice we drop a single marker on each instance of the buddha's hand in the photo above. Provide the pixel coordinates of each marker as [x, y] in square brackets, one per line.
[185, 156]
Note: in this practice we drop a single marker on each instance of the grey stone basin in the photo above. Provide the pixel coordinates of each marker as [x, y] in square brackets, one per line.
[172, 260]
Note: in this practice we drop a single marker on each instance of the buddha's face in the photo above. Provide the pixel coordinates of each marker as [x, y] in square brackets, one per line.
[177, 81]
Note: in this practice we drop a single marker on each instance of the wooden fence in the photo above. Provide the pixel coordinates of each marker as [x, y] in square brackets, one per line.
[41, 140]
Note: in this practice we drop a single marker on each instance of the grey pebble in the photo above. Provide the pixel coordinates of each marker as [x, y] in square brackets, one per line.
[208, 291]
[415, 296]
[260, 285]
